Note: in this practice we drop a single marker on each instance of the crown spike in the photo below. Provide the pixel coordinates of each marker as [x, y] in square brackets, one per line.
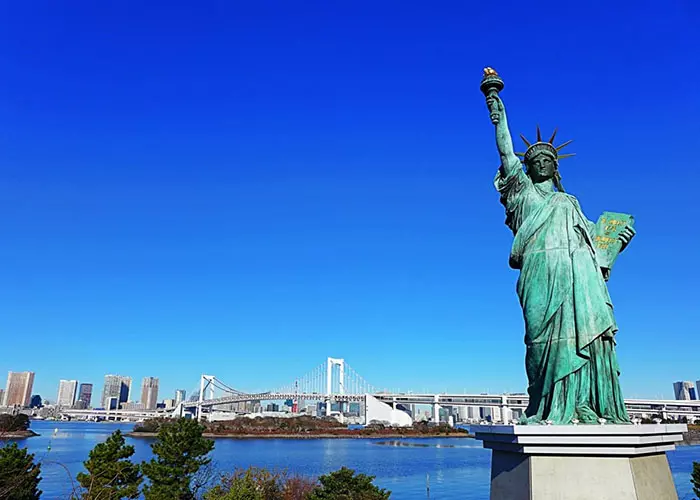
[554, 134]
[562, 146]
[567, 155]
[539, 135]
[527, 143]
[520, 154]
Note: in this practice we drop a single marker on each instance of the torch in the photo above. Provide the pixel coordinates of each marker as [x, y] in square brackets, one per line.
[491, 85]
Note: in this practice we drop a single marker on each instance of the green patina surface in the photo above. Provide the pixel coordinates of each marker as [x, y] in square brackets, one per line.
[564, 262]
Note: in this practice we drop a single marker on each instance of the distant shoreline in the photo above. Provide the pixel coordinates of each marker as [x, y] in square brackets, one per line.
[18, 434]
[313, 436]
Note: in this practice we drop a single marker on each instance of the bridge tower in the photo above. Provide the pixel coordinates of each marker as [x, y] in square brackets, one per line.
[205, 382]
[329, 380]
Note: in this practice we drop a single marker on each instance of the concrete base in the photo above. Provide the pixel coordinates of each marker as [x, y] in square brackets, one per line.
[567, 462]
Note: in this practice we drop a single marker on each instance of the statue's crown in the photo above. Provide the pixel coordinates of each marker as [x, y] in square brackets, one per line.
[533, 149]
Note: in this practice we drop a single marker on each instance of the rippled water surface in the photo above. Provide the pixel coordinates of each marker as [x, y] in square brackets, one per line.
[456, 468]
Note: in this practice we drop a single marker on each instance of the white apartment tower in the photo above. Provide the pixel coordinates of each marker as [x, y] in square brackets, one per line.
[67, 390]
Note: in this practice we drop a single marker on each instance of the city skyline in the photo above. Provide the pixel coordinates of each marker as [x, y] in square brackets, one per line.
[164, 216]
[119, 387]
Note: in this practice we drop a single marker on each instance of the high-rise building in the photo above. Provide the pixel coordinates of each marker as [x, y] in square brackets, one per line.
[18, 391]
[67, 390]
[684, 391]
[149, 392]
[180, 396]
[85, 394]
[2, 397]
[116, 386]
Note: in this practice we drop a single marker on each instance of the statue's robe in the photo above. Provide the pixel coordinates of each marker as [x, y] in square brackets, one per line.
[571, 362]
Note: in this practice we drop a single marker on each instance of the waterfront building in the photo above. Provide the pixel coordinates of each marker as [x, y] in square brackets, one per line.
[79, 405]
[67, 390]
[149, 392]
[517, 413]
[131, 405]
[490, 413]
[355, 409]
[461, 413]
[116, 386]
[684, 391]
[2, 397]
[169, 403]
[18, 391]
[85, 394]
[112, 403]
[180, 396]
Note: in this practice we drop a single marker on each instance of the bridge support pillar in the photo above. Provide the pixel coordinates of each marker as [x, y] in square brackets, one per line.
[436, 409]
[505, 411]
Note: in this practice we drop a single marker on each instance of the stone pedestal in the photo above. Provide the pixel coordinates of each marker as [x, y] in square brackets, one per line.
[581, 462]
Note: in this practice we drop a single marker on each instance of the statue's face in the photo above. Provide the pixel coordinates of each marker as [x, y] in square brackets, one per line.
[541, 167]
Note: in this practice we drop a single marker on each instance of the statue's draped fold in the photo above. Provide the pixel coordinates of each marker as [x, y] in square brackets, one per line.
[570, 360]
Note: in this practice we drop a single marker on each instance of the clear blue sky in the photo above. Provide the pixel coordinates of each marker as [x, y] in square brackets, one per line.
[246, 188]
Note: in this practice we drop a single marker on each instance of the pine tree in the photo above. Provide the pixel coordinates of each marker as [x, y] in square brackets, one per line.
[19, 475]
[110, 474]
[180, 451]
[344, 484]
[695, 478]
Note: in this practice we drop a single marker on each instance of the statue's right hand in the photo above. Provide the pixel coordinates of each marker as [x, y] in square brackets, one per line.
[495, 106]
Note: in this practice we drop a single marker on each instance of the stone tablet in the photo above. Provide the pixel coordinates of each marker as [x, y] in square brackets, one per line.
[607, 238]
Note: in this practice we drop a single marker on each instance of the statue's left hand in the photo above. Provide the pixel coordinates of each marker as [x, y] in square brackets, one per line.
[626, 236]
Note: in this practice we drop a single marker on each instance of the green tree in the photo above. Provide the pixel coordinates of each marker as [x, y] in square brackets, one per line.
[13, 423]
[19, 475]
[180, 451]
[695, 478]
[344, 484]
[110, 474]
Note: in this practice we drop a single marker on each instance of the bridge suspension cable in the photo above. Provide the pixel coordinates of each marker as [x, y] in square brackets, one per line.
[334, 376]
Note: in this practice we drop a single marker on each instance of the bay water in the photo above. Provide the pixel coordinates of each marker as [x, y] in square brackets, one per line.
[455, 468]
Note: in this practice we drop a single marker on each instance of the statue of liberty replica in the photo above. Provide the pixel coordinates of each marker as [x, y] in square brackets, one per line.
[564, 261]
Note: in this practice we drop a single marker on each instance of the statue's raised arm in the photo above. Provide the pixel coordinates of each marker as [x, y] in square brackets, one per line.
[491, 85]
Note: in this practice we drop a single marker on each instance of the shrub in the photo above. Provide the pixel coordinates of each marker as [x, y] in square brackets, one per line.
[344, 484]
[260, 484]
